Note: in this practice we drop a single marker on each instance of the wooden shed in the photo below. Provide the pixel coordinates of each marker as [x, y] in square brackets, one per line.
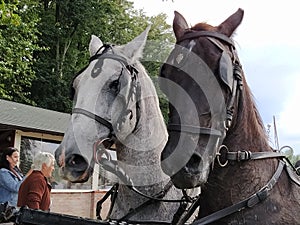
[32, 129]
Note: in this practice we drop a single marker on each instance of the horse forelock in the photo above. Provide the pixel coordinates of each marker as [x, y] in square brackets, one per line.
[203, 26]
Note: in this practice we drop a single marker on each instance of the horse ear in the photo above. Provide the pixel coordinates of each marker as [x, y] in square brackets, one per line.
[231, 23]
[134, 49]
[179, 25]
[95, 45]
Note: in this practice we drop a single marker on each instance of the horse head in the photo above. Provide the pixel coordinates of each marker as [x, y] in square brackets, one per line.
[105, 109]
[201, 78]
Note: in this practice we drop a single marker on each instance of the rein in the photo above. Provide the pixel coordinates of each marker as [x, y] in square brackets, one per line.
[250, 202]
[108, 164]
[260, 195]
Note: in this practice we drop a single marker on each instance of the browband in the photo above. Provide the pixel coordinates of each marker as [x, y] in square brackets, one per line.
[196, 34]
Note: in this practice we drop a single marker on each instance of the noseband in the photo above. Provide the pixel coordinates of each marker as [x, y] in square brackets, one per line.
[236, 86]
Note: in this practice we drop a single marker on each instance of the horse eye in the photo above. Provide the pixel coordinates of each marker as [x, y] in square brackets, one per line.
[114, 86]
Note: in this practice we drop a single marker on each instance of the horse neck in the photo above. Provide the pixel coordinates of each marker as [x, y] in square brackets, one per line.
[246, 134]
[239, 180]
[139, 155]
[247, 125]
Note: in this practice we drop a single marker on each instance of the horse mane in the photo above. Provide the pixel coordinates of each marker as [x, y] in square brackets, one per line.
[250, 121]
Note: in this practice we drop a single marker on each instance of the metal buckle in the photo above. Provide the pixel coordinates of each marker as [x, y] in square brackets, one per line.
[222, 152]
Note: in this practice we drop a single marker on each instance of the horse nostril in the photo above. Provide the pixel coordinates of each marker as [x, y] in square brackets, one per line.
[77, 162]
[193, 163]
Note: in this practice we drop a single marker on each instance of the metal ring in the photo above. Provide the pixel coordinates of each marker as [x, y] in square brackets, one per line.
[219, 154]
[99, 150]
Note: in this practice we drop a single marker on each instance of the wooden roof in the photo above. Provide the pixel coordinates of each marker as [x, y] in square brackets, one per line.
[29, 118]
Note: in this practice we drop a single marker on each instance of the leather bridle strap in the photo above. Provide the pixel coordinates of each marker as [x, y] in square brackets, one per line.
[196, 34]
[256, 198]
[151, 200]
[193, 129]
[106, 55]
[94, 117]
[247, 155]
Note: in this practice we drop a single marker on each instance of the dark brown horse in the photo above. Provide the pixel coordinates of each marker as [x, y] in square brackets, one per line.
[216, 136]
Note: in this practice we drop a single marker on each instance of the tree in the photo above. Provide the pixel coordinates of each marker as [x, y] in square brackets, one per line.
[294, 158]
[66, 27]
[161, 41]
[18, 37]
[44, 43]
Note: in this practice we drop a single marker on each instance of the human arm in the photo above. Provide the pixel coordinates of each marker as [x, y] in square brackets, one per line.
[9, 181]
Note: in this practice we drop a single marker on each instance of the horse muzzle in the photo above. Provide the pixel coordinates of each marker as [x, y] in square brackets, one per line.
[191, 175]
[73, 167]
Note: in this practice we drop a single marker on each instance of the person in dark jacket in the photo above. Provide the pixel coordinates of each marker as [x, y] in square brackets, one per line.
[35, 191]
[11, 176]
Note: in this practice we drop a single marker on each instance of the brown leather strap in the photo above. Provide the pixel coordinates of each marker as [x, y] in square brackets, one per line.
[247, 155]
[196, 34]
[254, 199]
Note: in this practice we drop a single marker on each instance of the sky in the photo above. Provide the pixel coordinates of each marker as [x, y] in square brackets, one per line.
[268, 45]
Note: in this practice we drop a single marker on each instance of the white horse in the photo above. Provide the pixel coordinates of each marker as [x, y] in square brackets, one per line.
[115, 101]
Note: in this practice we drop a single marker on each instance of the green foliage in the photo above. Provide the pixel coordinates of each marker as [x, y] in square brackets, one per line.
[66, 28]
[294, 158]
[44, 43]
[160, 43]
[7, 14]
[18, 36]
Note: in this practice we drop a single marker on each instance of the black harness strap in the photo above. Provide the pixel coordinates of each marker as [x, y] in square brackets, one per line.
[94, 117]
[150, 201]
[113, 193]
[196, 34]
[193, 129]
[247, 155]
[256, 198]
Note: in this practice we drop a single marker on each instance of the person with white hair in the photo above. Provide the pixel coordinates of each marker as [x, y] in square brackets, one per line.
[35, 191]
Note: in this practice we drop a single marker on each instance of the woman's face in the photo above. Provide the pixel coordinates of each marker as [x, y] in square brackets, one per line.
[13, 159]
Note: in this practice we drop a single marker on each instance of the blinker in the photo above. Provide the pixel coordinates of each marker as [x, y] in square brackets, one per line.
[226, 70]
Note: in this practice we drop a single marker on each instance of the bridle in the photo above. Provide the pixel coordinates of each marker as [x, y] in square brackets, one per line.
[101, 56]
[235, 87]
[99, 150]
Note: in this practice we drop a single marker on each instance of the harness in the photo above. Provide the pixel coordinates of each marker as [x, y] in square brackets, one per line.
[224, 155]
[183, 213]
[112, 167]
